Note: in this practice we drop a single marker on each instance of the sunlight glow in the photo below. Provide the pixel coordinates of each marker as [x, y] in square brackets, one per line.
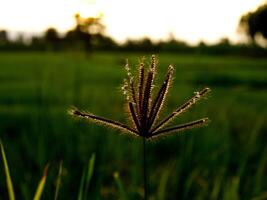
[189, 20]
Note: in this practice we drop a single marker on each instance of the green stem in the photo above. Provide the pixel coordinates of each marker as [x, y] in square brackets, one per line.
[145, 170]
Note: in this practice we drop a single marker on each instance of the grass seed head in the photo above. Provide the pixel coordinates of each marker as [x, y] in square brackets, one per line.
[143, 110]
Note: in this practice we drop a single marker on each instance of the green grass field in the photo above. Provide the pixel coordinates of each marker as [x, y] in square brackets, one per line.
[226, 160]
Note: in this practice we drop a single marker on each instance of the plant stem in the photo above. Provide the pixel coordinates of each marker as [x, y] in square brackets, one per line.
[144, 170]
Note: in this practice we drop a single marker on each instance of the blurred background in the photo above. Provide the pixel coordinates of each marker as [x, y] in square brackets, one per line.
[58, 54]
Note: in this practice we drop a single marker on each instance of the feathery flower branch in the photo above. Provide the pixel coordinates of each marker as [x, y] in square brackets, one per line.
[143, 110]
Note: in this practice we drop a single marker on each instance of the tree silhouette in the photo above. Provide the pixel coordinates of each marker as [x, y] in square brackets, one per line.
[84, 31]
[51, 35]
[3, 37]
[52, 39]
[254, 23]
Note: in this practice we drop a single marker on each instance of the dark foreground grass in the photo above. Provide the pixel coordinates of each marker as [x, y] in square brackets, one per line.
[226, 160]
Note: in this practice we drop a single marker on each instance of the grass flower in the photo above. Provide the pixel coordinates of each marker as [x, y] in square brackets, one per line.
[144, 110]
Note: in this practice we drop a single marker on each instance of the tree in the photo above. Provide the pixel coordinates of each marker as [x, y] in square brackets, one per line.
[254, 23]
[51, 35]
[52, 39]
[82, 35]
[3, 37]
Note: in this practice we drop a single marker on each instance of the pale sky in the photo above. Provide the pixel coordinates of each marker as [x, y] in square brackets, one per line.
[189, 20]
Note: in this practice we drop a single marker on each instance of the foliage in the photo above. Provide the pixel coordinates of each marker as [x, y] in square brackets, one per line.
[85, 181]
[11, 193]
[253, 23]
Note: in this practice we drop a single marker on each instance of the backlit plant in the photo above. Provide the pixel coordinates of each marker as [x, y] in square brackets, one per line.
[144, 110]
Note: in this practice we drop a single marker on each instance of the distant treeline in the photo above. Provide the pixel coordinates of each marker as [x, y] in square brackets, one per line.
[88, 35]
[51, 41]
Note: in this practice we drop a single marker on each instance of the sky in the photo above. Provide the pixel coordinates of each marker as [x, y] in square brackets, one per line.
[189, 20]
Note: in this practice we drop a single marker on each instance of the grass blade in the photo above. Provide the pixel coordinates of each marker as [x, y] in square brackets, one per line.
[10, 189]
[58, 182]
[41, 185]
[162, 189]
[80, 194]
[122, 193]
[90, 172]
[231, 190]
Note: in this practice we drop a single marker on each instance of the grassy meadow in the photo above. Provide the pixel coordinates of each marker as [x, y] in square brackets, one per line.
[225, 160]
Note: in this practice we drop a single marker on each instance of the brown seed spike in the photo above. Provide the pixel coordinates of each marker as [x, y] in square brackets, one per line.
[125, 89]
[128, 70]
[153, 62]
[182, 127]
[153, 69]
[104, 121]
[146, 98]
[133, 94]
[182, 108]
[134, 116]
[141, 87]
[159, 101]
